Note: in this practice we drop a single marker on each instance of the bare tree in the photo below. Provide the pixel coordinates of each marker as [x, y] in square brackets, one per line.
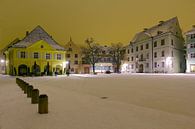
[117, 52]
[91, 52]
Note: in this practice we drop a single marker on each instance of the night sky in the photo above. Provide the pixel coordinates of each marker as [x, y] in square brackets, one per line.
[108, 21]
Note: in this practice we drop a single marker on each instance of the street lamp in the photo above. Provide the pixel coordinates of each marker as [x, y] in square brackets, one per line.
[2, 61]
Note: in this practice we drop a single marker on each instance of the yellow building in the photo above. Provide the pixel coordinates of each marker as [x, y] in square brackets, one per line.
[74, 58]
[37, 54]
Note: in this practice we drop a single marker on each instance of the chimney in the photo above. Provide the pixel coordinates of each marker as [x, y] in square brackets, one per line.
[145, 29]
[27, 33]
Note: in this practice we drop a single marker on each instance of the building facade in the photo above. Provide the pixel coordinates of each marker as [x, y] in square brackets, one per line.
[74, 59]
[190, 50]
[105, 61]
[37, 54]
[159, 49]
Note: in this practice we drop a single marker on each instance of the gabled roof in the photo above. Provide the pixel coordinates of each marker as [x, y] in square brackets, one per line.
[163, 27]
[36, 35]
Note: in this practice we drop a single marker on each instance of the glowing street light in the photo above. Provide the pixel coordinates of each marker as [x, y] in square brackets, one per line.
[2, 61]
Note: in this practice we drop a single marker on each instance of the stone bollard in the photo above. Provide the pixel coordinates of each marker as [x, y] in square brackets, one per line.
[43, 104]
[29, 91]
[35, 96]
[25, 88]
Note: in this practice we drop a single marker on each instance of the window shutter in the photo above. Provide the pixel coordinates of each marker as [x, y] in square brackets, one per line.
[51, 56]
[39, 55]
[26, 54]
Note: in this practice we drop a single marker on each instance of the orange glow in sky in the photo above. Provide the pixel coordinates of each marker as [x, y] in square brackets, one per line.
[107, 21]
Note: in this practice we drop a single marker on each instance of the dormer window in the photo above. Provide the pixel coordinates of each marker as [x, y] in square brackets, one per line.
[193, 36]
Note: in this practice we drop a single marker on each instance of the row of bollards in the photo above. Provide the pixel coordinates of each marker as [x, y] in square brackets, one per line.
[41, 100]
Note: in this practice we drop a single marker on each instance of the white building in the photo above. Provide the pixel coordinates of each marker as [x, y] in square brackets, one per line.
[157, 49]
[2, 63]
[190, 50]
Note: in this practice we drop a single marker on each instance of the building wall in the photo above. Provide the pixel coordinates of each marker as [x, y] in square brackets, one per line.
[190, 50]
[14, 58]
[171, 62]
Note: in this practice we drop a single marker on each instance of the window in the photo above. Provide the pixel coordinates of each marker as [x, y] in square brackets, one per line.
[155, 44]
[147, 65]
[192, 45]
[76, 55]
[141, 56]
[141, 48]
[137, 48]
[193, 36]
[128, 58]
[76, 62]
[172, 54]
[172, 42]
[147, 55]
[155, 64]
[132, 66]
[127, 51]
[131, 50]
[163, 64]
[155, 54]
[48, 56]
[163, 53]
[69, 49]
[68, 55]
[22, 54]
[162, 42]
[132, 58]
[36, 55]
[42, 46]
[147, 46]
[192, 55]
[59, 56]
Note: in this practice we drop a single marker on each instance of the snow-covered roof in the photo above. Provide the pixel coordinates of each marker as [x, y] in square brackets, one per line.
[162, 27]
[36, 35]
[192, 31]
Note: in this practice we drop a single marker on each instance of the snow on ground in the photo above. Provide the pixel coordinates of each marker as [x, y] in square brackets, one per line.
[116, 101]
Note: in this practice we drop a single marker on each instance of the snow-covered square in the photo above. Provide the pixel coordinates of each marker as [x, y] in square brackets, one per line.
[116, 101]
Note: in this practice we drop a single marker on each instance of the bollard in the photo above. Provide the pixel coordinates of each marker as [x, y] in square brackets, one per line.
[35, 96]
[43, 104]
[29, 91]
[25, 88]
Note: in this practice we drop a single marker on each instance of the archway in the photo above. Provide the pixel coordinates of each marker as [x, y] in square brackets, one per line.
[58, 69]
[36, 69]
[141, 68]
[22, 70]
